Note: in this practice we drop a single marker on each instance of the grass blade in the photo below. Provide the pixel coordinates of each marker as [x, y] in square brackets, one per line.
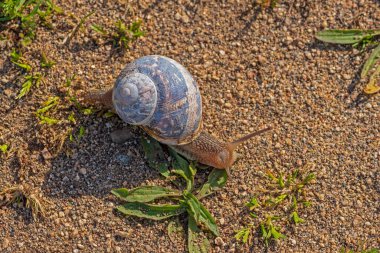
[350, 36]
[144, 194]
[216, 180]
[153, 212]
[375, 55]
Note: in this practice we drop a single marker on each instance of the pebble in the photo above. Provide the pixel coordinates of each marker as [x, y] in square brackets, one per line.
[61, 214]
[123, 159]
[219, 241]
[83, 171]
[121, 135]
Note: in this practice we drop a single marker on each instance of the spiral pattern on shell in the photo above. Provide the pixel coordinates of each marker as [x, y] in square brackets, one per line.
[160, 95]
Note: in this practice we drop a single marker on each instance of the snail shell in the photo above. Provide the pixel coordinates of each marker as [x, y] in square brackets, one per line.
[160, 95]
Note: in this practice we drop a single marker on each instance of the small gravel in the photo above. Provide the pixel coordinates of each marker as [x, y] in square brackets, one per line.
[254, 69]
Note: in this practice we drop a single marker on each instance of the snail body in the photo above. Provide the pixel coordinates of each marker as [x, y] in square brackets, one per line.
[160, 95]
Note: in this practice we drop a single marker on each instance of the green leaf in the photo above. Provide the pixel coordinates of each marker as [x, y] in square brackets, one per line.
[155, 155]
[296, 218]
[98, 29]
[216, 180]
[182, 167]
[174, 227]
[200, 213]
[81, 132]
[280, 181]
[276, 235]
[375, 55]
[47, 120]
[144, 193]
[253, 203]
[24, 66]
[194, 243]
[153, 212]
[243, 234]
[4, 148]
[25, 88]
[345, 36]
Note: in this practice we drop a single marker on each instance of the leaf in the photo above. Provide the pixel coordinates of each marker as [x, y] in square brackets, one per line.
[153, 212]
[345, 36]
[375, 55]
[81, 132]
[252, 204]
[194, 246]
[174, 227]
[216, 180]
[47, 120]
[182, 167]
[280, 181]
[145, 193]
[4, 148]
[296, 218]
[200, 213]
[25, 88]
[155, 155]
[24, 66]
[98, 29]
[373, 85]
[243, 234]
[276, 235]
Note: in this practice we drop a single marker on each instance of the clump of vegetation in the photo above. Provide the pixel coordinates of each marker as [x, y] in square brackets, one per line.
[121, 35]
[285, 193]
[28, 15]
[23, 196]
[4, 148]
[140, 201]
[359, 39]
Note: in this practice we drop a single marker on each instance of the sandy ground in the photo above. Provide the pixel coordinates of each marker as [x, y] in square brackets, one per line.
[254, 69]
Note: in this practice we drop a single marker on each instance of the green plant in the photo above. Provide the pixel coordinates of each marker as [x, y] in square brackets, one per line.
[45, 62]
[140, 201]
[30, 80]
[28, 13]
[47, 105]
[17, 59]
[121, 36]
[4, 148]
[282, 192]
[360, 39]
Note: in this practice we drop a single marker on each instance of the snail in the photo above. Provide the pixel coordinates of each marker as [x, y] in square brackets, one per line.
[160, 95]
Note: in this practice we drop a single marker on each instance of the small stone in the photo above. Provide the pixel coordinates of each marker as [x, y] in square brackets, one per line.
[123, 159]
[82, 171]
[221, 221]
[288, 141]
[76, 251]
[121, 135]
[46, 154]
[8, 92]
[219, 241]
[61, 214]
[308, 55]
[227, 105]
[80, 246]
[293, 242]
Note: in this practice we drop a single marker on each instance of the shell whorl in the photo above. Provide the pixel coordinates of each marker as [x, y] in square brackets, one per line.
[159, 94]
